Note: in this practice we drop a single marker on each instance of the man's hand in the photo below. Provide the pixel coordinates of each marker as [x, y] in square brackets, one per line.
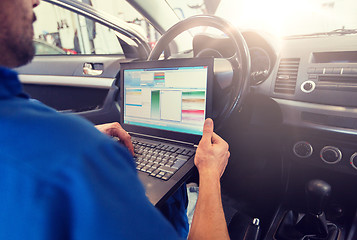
[211, 160]
[212, 153]
[115, 130]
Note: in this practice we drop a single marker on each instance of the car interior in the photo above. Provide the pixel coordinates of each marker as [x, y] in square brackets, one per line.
[287, 106]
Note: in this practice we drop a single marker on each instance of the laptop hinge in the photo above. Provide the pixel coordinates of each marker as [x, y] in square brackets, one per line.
[165, 139]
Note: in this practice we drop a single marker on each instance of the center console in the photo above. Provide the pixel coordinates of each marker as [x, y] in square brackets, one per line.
[321, 193]
[311, 224]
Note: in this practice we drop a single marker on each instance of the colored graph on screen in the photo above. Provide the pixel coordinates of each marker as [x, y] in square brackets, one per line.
[155, 104]
[159, 78]
[193, 106]
[133, 97]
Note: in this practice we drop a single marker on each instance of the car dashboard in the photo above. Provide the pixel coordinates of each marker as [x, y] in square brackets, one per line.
[314, 84]
[298, 124]
[311, 92]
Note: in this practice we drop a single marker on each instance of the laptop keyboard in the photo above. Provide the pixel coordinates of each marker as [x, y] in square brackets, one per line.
[160, 160]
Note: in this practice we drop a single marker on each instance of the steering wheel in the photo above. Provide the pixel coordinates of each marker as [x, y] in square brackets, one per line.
[240, 61]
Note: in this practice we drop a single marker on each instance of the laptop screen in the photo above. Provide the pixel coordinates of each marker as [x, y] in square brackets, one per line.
[171, 98]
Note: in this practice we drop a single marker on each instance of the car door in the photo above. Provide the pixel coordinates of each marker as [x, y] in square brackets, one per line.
[78, 54]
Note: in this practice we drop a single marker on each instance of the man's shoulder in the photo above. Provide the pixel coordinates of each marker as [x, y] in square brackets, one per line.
[47, 138]
[44, 123]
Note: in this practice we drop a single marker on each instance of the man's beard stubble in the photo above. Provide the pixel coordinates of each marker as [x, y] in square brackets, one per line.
[25, 53]
[24, 49]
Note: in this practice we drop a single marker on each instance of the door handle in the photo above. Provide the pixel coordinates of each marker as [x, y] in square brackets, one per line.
[93, 69]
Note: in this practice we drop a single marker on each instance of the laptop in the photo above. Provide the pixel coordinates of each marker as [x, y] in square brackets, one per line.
[163, 106]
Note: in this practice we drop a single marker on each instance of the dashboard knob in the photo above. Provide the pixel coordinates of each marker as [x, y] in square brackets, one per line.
[302, 149]
[330, 154]
[308, 86]
[353, 160]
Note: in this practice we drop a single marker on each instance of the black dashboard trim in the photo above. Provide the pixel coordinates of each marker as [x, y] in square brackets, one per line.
[292, 112]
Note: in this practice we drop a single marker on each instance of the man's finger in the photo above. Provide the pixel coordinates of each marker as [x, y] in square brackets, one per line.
[207, 131]
[117, 132]
[216, 139]
[125, 139]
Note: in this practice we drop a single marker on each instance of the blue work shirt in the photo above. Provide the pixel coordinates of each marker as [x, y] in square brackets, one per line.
[60, 178]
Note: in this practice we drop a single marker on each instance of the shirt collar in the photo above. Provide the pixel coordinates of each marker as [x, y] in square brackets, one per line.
[10, 85]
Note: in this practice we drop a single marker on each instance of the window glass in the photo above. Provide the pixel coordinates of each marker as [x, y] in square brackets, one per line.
[278, 17]
[59, 31]
[124, 11]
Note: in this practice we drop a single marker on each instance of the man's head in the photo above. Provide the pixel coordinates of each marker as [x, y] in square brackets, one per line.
[16, 32]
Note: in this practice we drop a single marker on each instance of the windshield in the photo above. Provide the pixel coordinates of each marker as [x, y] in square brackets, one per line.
[278, 17]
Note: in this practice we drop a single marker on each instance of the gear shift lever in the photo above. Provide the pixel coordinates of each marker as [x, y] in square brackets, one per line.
[317, 193]
[314, 222]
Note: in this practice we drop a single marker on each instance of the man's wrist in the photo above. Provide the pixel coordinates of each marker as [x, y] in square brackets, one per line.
[209, 178]
[211, 174]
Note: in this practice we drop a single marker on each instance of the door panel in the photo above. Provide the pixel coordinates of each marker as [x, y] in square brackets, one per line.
[68, 99]
[72, 65]
[60, 83]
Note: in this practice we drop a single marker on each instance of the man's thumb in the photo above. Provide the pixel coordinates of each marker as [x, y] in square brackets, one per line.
[207, 130]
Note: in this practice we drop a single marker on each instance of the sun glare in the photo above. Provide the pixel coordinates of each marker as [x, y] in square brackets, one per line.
[279, 17]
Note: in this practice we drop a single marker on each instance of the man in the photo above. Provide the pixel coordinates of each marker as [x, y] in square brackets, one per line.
[60, 178]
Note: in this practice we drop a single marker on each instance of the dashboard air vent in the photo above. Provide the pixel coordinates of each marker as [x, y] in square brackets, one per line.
[287, 75]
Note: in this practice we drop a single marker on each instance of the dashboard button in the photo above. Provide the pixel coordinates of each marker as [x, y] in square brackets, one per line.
[347, 88]
[346, 71]
[353, 160]
[337, 70]
[328, 70]
[302, 149]
[330, 155]
[327, 86]
[312, 76]
[319, 70]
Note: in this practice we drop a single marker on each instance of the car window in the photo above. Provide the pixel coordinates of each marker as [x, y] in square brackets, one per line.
[58, 31]
[278, 17]
[44, 48]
